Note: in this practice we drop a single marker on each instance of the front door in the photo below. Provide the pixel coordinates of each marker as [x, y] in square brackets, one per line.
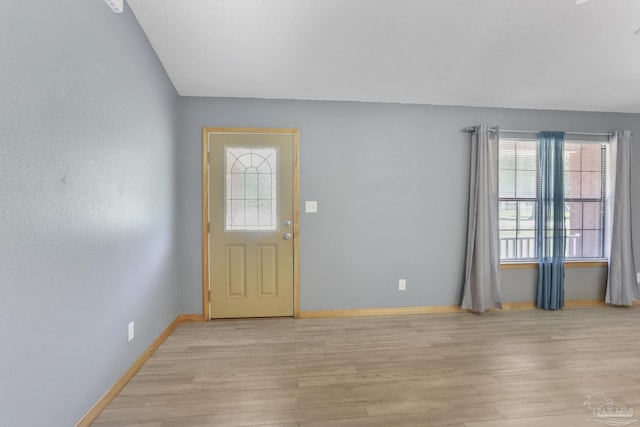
[251, 222]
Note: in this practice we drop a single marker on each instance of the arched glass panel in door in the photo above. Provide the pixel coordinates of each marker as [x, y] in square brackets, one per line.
[251, 189]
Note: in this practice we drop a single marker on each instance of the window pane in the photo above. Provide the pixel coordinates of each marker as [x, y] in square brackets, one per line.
[265, 213]
[264, 159]
[591, 185]
[264, 186]
[238, 160]
[235, 215]
[573, 215]
[251, 183]
[235, 186]
[573, 244]
[592, 215]
[591, 244]
[526, 155]
[251, 214]
[507, 184]
[508, 244]
[250, 188]
[572, 185]
[527, 216]
[517, 230]
[526, 244]
[508, 215]
[518, 191]
[591, 157]
[572, 156]
[507, 154]
[526, 184]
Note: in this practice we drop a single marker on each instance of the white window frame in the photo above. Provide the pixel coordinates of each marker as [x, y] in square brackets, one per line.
[604, 199]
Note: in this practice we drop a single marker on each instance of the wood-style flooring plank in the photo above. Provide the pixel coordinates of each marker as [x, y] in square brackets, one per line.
[500, 369]
[572, 420]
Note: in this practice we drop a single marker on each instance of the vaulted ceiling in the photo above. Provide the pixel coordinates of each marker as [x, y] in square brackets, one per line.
[541, 54]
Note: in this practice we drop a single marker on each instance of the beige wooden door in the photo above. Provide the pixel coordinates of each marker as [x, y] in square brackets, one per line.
[251, 230]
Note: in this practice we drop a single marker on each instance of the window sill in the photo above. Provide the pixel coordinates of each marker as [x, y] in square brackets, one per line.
[567, 264]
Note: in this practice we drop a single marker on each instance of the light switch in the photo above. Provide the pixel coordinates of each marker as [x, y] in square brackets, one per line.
[311, 206]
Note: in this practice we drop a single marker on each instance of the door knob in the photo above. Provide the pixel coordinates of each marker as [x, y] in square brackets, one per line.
[287, 236]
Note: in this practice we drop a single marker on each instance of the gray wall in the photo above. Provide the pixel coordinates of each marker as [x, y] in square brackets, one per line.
[585, 283]
[391, 185]
[101, 209]
[87, 201]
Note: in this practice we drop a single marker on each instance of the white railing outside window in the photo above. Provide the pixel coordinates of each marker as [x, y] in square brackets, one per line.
[524, 248]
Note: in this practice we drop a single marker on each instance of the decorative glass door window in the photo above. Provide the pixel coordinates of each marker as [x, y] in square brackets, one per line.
[251, 188]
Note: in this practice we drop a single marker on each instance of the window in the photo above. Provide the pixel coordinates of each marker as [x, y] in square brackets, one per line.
[250, 196]
[519, 186]
[585, 182]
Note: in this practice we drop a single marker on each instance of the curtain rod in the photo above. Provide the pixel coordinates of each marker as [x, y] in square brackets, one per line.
[473, 129]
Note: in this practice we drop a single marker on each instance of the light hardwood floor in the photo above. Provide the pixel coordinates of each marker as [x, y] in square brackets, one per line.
[501, 369]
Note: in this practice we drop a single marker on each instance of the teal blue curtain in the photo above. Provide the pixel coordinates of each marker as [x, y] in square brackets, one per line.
[550, 233]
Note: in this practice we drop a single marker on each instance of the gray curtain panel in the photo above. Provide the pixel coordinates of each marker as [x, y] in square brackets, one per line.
[622, 288]
[482, 274]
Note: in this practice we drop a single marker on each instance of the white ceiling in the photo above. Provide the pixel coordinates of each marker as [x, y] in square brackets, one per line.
[541, 54]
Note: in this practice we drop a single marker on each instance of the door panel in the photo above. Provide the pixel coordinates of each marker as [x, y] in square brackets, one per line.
[251, 231]
[236, 265]
[267, 271]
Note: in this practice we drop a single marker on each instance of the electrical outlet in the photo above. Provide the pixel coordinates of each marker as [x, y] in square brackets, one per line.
[402, 285]
[130, 331]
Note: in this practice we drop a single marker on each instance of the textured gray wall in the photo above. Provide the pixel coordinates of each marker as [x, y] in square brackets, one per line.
[89, 202]
[391, 185]
[87, 221]
[583, 283]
